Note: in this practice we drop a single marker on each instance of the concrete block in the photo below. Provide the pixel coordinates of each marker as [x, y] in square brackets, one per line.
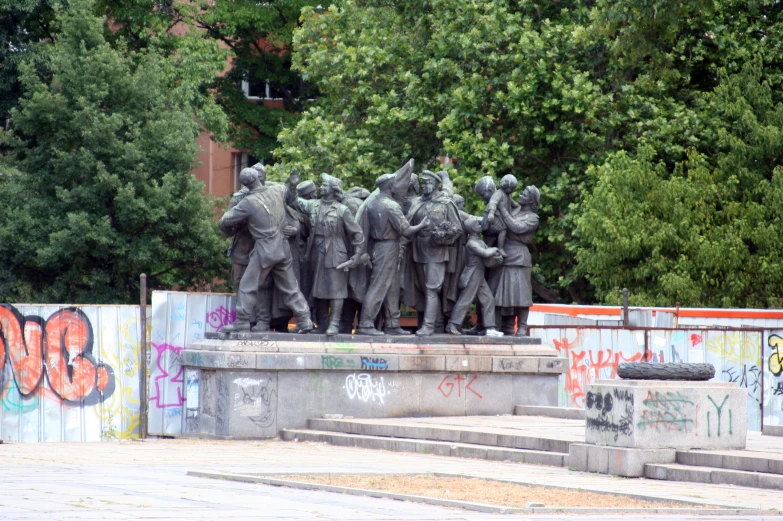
[488, 394]
[772, 481]
[300, 347]
[240, 360]
[655, 471]
[468, 364]
[772, 430]
[699, 459]
[775, 466]
[442, 394]
[534, 389]
[748, 464]
[352, 362]
[630, 462]
[735, 477]
[616, 461]
[281, 361]
[566, 413]
[490, 348]
[479, 438]
[347, 347]
[552, 365]
[383, 348]
[514, 364]
[666, 414]
[422, 363]
[577, 456]
[253, 403]
[695, 475]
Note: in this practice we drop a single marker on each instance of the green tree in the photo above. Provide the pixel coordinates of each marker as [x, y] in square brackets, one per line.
[705, 230]
[104, 145]
[503, 87]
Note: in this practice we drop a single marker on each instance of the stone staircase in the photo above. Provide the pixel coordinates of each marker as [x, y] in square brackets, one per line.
[741, 468]
[491, 438]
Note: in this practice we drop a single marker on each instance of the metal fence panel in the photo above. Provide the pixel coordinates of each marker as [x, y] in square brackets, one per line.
[69, 373]
[178, 319]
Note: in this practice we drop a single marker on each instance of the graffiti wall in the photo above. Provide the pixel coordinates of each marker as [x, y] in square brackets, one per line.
[69, 373]
[773, 377]
[178, 319]
[594, 354]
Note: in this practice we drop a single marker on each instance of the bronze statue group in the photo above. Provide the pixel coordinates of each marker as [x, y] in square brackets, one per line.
[353, 254]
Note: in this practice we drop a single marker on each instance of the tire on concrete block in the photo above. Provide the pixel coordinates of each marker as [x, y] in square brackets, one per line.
[653, 371]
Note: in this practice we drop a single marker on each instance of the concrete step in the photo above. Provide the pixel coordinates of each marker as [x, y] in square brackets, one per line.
[694, 474]
[567, 413]
[439, 448]
[772, 430]
[748, 461]
[445, 434]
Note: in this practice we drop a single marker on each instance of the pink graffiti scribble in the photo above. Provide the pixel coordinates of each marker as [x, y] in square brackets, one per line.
[220, 318]
[160, 402]
[695, 339]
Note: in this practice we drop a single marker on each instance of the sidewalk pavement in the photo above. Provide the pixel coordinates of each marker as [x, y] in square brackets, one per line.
[146, 480]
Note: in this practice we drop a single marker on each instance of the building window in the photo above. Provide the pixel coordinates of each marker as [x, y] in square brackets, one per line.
[242, 160]
[259, 90]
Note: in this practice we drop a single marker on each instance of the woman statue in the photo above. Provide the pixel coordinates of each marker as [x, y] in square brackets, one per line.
[511, 282]
[331, 227]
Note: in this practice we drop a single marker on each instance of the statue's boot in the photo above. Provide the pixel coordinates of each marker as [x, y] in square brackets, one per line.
[430, 314]
[239, 325]
[334, 317]
[522, 315]
[452, 329]
[260, 327]
[303, 322]
[396, 331]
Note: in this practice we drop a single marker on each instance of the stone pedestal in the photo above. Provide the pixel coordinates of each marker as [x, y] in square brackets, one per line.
[252, 385]
[654, 414]
[631, 423]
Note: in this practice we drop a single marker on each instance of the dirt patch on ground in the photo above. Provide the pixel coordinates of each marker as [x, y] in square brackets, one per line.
[485, 491]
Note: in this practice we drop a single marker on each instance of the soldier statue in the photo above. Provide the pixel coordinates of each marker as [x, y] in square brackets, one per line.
[384, 225]
[431, 287]
[262, 210]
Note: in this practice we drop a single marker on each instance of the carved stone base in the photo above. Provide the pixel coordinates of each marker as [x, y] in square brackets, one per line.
[256, 384]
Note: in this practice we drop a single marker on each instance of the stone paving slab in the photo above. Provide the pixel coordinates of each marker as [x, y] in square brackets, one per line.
[155, 470]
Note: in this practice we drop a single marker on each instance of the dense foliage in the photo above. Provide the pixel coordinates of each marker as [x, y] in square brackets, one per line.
[607, 106]
[103, 144]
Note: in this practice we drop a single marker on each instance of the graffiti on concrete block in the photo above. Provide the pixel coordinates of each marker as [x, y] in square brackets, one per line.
[374, 364]
[256, 399]
[449, 384]
[61, 348]
[719, 414]
[613, 412]
[364, 387]
[670, 411]
[337, 362]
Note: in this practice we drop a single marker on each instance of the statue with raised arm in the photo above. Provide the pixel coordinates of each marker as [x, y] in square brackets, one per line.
[511, 282]
[262, 211]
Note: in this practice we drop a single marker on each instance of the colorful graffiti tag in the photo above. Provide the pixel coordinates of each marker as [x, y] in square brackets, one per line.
[59, 348]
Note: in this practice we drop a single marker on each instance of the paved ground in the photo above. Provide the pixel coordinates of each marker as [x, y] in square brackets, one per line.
[146, 480]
